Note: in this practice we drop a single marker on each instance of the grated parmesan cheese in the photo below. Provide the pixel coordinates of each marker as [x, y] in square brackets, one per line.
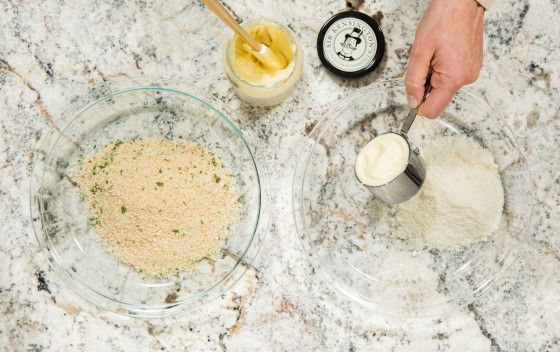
[461, 200]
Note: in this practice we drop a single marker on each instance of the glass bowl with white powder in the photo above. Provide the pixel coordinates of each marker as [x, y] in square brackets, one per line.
[440, 250]
[127, 193]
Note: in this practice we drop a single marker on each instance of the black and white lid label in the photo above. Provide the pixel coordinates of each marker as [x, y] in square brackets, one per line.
[350, 44]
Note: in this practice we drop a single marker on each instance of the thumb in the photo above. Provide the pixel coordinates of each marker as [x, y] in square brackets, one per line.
[418, 67]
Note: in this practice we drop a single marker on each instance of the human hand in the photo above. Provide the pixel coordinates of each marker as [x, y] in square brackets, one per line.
[448, 39]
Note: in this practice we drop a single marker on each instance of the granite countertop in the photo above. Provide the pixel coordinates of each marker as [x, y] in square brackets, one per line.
[52, 52]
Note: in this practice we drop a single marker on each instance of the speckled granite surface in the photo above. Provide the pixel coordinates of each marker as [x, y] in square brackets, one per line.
[53, 52]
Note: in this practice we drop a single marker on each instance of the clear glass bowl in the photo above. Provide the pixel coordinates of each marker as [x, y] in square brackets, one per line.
[132, 109]
[340, 223]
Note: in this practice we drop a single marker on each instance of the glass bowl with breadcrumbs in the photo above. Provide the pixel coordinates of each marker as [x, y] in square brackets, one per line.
[149, 198]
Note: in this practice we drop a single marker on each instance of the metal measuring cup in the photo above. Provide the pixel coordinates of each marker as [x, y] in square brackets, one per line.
[406, 184]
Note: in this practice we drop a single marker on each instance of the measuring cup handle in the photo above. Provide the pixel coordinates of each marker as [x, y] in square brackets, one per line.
[413, 112]
[427, 86]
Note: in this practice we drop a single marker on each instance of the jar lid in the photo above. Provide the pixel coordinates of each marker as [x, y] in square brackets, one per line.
[350, 44]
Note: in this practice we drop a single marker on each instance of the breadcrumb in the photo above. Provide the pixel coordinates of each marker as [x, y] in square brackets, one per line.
[159, 205]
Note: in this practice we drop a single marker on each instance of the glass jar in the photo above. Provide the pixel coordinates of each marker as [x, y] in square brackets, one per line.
[270, 94]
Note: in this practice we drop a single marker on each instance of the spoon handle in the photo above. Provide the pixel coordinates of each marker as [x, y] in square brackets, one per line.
[414, 111]
[226, 17]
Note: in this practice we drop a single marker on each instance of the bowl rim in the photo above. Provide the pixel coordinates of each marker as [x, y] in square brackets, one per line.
[298, 179]
[242, 263]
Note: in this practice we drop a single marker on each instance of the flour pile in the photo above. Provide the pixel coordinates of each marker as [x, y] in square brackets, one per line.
[461, 200]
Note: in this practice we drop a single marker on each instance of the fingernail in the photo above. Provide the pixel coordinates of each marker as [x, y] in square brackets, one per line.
[412, 101]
